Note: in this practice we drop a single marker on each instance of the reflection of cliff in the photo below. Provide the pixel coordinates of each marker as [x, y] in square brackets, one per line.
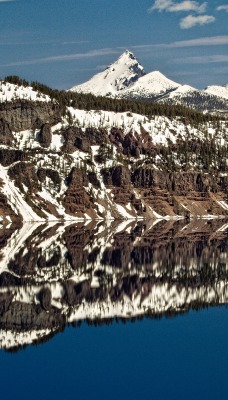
[53, 274]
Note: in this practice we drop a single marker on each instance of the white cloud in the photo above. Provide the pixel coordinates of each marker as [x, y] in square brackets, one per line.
[219, 58]
[222, 8]
[65, 57]
[203, 41]
[192, 20]
[161, 5]
[184, 6]
[189, 6]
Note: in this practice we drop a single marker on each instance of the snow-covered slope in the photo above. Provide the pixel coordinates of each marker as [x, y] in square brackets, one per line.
[182, 91]
[221, 91]
[38, 189]
[201, 100]
[181, 94]
[117, 77]
[70, 164]
[151, 86]
[161, 129]
[10, 92]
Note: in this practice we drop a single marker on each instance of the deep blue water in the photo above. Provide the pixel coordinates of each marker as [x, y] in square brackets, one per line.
[185, 357]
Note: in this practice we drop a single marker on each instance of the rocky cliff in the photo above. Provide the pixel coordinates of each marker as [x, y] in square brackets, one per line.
[61, 163]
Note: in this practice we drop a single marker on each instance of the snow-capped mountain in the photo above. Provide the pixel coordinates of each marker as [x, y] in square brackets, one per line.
[151, 86]
[221, 91]
[126, 79]
[117, 77]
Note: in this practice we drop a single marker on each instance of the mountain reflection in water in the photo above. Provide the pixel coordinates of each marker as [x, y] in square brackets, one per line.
[53, 274]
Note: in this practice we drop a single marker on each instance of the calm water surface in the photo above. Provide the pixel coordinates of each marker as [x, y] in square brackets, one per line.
[153, 324]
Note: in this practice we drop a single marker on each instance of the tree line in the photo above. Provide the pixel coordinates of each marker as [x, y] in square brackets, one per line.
[90, 102]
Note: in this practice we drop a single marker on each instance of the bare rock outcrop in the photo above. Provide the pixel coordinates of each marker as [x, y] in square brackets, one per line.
[8, 156]
[45, 135]
[76, 200]
[23, 114]
[24, 172]
[6, 136]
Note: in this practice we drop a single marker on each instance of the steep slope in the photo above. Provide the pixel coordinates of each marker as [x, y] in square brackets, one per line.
[117, 77]
[151, 86]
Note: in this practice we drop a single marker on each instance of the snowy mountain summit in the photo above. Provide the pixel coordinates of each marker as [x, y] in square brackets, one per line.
[115, 78]
[221, 91]
[126, 79]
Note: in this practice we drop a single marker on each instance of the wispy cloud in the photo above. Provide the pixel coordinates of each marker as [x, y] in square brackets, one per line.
[184, 6]
[76, 42]
[4, 42]
[219, 58]
[61, 58]
[193, 20]
[222, 8]
[203, 41]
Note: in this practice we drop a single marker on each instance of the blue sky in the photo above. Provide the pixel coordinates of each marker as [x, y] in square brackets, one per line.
[64, 42]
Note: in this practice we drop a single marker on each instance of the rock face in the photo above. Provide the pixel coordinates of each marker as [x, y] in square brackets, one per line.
[22, 115]
[6, 136]
[6, 211]
[117, 176]
[77, 139]
[70, 164]
[76, 198]
[23, 173]
[8, 156]
[45, 135]
[44, 173]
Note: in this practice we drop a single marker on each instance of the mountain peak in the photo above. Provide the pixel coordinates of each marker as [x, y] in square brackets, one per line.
[125, 78]
[120, 75]
[128, 58]
[129, 54]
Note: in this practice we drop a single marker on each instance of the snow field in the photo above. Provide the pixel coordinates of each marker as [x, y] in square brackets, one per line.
[10, 92]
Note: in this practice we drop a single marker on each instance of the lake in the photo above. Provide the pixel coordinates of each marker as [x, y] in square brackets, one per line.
[125, 310]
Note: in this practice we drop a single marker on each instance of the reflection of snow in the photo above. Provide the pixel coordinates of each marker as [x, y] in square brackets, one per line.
[156, 291]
